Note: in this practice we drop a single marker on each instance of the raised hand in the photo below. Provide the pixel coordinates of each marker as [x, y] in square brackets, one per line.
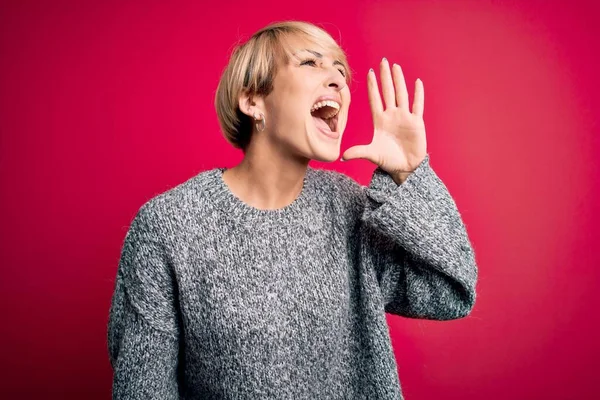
[399, 143]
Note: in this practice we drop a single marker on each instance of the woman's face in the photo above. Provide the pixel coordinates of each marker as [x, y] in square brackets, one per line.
[307, 110]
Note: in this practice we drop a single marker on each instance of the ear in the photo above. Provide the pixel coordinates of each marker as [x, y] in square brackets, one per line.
[251, 105]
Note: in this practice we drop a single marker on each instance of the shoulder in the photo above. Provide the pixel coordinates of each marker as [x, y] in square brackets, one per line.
[337, 180]
[170, 210]
[340, 187]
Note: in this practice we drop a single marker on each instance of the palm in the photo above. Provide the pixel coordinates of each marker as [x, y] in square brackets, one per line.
[399, 142]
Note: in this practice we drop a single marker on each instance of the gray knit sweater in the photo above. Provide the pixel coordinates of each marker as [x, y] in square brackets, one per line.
[215, 299]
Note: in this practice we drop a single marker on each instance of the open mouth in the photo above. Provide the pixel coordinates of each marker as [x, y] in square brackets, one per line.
[325, 114]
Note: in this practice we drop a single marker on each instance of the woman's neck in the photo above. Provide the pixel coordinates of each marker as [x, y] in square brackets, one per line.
[266, 181]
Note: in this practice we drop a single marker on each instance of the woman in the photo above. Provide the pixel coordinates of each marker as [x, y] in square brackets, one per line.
[271, 279]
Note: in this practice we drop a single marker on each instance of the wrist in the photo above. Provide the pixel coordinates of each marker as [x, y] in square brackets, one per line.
[400, 177]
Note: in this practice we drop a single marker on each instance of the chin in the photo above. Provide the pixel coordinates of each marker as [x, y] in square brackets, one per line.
[323, 148]
[325, 125]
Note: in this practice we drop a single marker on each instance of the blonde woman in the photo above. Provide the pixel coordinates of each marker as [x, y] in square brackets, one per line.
[271, 279]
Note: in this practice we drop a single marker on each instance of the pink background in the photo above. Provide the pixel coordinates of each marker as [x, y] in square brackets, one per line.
[103, 106]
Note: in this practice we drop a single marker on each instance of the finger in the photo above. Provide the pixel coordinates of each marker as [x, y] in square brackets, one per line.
[374, 98]
[387, 85]
[400, 85]
[419, 100]
[354, 152]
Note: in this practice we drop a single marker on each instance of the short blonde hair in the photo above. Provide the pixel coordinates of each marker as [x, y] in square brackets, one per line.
[252, 69]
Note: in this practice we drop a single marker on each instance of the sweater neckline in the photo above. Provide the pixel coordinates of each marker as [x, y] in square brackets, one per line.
[244, 213]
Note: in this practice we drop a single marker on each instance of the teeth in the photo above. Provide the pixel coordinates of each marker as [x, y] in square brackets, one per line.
[330, 103]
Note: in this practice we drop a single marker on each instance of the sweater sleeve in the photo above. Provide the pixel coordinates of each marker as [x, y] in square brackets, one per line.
[413, 236]
[143, 326]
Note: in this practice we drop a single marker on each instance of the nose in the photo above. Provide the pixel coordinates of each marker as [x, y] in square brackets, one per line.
[335, 79]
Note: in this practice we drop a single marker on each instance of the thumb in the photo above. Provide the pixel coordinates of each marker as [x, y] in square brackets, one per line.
[353, 152]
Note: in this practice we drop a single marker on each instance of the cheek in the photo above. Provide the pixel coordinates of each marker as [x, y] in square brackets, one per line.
[346, 96]
[290, 119]
[290, 105]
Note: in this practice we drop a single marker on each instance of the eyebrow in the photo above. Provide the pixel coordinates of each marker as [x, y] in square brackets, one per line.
[319, 55]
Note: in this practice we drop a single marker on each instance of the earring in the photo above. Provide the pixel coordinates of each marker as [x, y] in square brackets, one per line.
[260, 127]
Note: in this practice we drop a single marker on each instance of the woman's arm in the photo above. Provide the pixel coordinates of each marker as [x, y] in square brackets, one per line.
[143, 327]
[413, 236]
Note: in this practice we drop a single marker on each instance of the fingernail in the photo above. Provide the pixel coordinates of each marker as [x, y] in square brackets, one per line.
[384, 59]
[371, 70]
[342, 159]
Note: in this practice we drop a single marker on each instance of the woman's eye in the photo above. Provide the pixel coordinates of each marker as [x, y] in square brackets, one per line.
[313, 62]
[308, 62]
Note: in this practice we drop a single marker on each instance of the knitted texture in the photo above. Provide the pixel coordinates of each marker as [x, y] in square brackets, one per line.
[215, 299]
